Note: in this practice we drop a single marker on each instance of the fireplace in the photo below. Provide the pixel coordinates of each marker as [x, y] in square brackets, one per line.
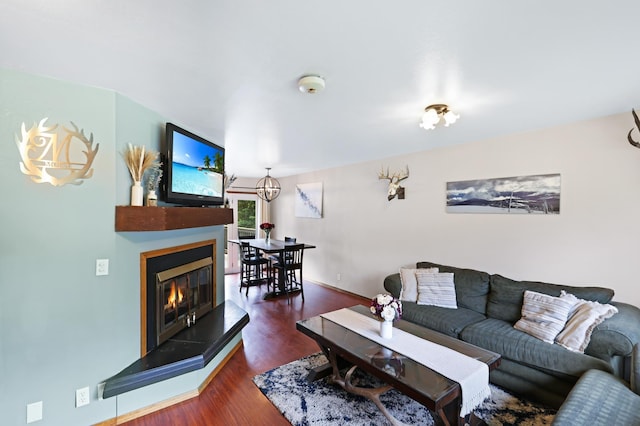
[183, 294]
[177, 288]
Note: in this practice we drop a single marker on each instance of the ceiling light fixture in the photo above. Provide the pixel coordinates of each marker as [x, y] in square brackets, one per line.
[433, 114]
[311, 84]
[268, 188]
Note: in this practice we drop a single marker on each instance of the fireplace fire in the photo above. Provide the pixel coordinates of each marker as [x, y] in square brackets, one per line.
[184, 295]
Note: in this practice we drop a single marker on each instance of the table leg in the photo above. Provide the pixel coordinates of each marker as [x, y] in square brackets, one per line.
[371, 393]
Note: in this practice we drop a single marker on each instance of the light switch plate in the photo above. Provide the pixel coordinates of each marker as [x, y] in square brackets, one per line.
[34, 412]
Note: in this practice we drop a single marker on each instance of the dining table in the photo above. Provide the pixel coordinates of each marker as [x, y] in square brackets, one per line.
[271, 246]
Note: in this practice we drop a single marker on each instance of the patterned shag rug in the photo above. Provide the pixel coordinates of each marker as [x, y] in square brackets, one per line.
[320, 403]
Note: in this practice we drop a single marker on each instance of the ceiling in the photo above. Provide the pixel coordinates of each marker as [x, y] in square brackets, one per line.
[227, 70]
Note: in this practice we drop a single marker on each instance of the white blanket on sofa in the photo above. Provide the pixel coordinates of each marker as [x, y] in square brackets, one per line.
[471, 374]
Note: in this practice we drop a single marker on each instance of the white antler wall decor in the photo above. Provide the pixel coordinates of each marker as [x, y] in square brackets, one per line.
[394, 182]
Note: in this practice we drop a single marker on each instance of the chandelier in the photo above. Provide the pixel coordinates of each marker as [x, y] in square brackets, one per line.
[434, 113]
[268, 188]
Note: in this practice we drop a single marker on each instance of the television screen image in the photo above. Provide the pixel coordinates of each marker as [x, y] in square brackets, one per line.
[196, 173]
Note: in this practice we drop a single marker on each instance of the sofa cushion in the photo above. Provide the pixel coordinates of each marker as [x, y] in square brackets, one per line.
[448, 321]
[583, 319]
[436, 289]
[506, 295]
[543, 316]
[499, 336]
[472, 287]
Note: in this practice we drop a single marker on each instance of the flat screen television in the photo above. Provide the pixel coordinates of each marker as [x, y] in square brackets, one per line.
[194, 169]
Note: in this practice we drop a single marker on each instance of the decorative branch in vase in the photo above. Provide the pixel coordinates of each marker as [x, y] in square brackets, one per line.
[138, 159]
[153, 180]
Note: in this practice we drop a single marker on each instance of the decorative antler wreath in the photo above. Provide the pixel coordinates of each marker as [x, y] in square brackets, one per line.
[45, 139]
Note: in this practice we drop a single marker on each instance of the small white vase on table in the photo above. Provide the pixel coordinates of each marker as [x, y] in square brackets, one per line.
[389, 309]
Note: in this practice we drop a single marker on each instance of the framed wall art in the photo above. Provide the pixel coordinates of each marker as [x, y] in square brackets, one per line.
[534, 194]
[308, 201]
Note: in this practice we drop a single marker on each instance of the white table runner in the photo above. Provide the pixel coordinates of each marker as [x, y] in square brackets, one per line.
[471, 374]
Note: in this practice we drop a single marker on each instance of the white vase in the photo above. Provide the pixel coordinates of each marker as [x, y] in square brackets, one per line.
[386, 329]
[136, 194]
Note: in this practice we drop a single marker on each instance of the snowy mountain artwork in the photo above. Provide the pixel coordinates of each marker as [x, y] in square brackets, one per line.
[534, 194]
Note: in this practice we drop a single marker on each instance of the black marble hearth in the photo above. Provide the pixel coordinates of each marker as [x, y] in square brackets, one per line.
[189, 350]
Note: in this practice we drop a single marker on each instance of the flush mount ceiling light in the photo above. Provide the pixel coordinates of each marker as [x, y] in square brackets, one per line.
[433, 114]
[268, 188]
[311, 84]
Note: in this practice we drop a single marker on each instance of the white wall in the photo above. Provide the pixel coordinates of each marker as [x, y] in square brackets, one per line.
[594, 241]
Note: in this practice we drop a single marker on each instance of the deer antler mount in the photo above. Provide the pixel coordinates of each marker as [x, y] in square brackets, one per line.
[394, 182]
[631, 141]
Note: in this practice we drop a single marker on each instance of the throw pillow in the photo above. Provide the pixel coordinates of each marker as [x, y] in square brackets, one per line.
[436, 289]
[543, 316]
[409, 282]
[583, 319]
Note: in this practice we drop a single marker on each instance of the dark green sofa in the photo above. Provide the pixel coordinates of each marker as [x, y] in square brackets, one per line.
[489, 306]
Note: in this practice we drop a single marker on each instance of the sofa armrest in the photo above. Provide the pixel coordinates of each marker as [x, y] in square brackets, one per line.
[617, 335]
[393, 285]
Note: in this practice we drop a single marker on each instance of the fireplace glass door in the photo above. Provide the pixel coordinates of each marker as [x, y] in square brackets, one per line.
[184, 294]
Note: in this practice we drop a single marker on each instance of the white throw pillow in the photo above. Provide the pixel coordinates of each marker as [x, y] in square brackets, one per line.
[583, 319]
[409, 282]
[543, 316]
[436, 289]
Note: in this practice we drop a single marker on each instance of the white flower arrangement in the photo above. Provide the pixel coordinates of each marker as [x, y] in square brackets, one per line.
[387, 307]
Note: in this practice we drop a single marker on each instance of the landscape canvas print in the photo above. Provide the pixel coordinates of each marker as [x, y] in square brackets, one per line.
[536, 194]
[309, 200]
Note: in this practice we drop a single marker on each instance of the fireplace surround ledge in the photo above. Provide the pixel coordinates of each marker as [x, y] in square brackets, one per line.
[189, 350]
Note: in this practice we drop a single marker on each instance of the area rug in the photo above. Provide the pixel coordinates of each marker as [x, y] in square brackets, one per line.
[322, 404]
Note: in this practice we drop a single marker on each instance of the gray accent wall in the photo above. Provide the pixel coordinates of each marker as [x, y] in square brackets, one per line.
[62, 327]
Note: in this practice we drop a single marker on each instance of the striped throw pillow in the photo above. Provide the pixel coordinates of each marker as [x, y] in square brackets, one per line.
[409, 282]
[543, 316]
[436, 289]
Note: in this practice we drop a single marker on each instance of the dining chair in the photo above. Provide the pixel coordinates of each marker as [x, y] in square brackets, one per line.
[253, 267]
[289, 268]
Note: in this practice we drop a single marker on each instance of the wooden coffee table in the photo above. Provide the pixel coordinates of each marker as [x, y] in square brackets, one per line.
[342, 346]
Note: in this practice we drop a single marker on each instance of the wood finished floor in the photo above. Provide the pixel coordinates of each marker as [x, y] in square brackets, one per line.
[270, 339]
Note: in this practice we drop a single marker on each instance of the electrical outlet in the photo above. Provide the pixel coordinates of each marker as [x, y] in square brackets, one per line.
[339, 276]
[102, 267]
[83, 396]
[34, 412]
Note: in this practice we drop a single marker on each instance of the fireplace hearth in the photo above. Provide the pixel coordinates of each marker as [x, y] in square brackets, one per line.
[190, 267]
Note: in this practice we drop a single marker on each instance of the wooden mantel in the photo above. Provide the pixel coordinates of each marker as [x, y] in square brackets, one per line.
[134, 218]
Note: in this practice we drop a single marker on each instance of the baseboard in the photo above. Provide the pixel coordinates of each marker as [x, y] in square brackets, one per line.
[171, 401]
[338, 289]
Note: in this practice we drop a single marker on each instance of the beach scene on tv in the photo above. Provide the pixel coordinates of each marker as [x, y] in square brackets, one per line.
[197, 168]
